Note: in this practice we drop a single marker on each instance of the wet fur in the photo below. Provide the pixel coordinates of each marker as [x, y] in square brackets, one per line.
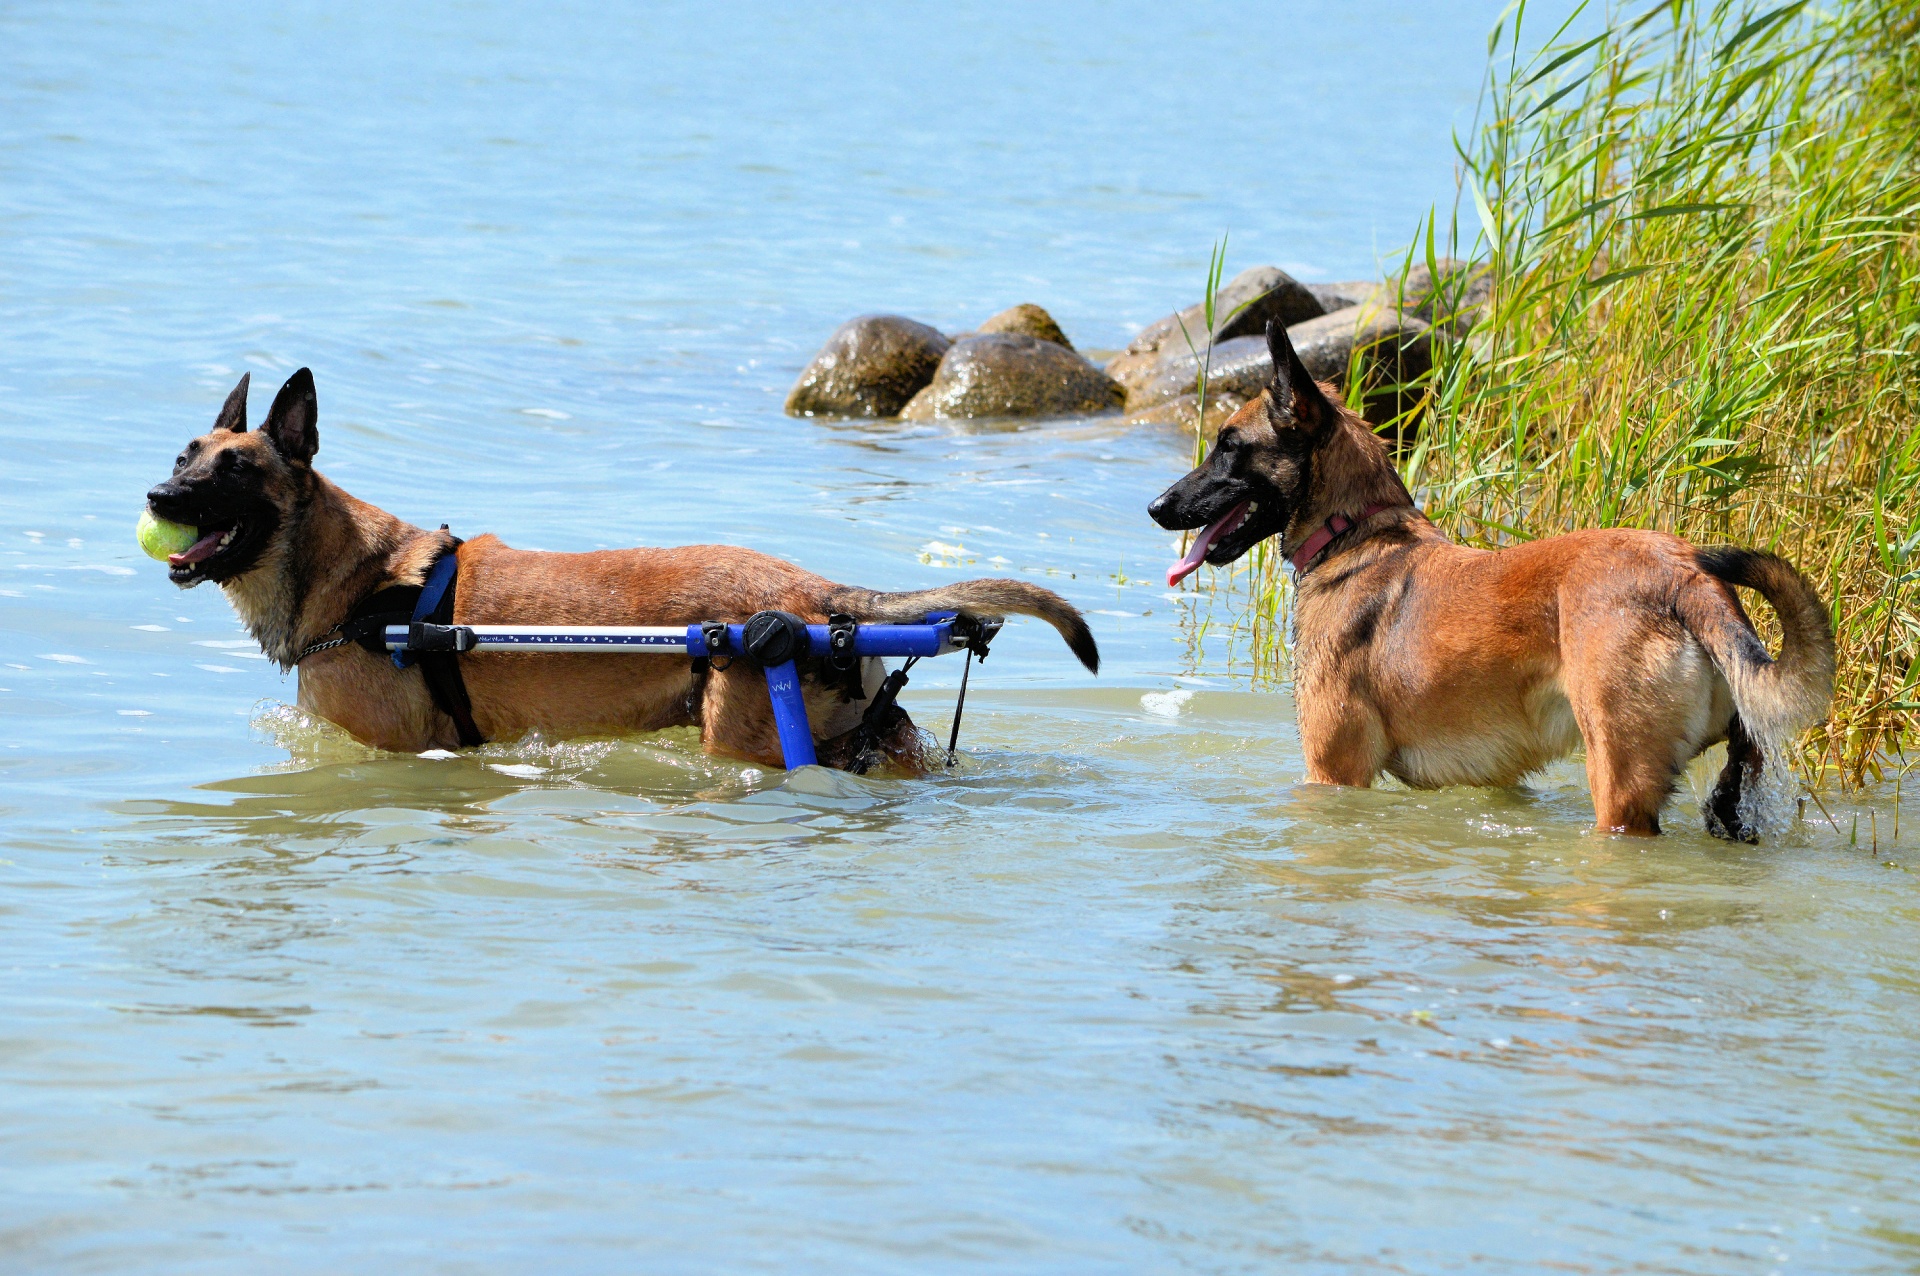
[1441, 665]
[320, 550]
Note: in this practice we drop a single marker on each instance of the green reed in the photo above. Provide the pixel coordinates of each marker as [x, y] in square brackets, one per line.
[1257, 629]
[1702, 221]
[1703, 224]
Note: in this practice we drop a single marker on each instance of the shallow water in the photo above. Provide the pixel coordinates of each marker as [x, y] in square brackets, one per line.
[1119, 994]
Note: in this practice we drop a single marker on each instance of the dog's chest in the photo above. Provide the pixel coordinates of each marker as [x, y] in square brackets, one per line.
[375, 703]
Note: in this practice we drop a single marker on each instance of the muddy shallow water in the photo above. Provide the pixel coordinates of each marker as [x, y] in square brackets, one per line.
[1118, 994]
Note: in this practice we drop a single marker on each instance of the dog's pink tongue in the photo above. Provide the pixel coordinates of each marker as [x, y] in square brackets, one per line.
[1202, 543]
[200, 549]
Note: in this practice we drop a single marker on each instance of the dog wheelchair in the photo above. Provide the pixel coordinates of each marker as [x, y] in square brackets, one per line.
[772, 640]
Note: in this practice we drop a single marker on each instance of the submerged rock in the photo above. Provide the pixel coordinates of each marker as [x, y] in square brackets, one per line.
[870, 366]
[1013, 375]
[1026, 319]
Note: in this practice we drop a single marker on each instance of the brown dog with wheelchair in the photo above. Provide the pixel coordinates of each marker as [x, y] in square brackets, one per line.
[303, 562]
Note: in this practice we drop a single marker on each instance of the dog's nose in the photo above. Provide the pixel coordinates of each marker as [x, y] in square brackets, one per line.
[1157, 506]
[163, 492]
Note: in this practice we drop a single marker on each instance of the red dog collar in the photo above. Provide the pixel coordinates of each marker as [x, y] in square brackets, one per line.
[1323, 536]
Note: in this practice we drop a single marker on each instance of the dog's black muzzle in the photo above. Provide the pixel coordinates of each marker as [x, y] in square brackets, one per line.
[1198, 499]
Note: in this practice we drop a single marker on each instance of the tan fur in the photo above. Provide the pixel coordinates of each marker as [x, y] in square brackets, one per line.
[1480, 660]
[1441, 664]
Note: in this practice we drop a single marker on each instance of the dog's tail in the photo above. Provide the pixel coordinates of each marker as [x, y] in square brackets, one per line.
[989, 599]
[1776, 698]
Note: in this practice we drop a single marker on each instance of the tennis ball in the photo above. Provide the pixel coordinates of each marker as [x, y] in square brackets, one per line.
[160, 538]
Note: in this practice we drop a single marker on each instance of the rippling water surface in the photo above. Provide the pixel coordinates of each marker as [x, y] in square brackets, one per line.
[1118, 994]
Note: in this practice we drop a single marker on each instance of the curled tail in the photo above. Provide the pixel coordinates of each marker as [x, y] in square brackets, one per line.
[990, 599]
[1774, 700]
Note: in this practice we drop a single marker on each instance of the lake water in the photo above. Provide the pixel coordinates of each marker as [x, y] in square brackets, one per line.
[1120, 994]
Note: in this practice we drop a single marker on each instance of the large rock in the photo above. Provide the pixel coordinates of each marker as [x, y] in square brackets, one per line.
[1029, 320]
[1182, 411]
[870, 366]
[1451, 295]
[1339, 296]
[1240, 366]
[1259, 294]
[1134, 370]
[1013, 375]
[1393, 348]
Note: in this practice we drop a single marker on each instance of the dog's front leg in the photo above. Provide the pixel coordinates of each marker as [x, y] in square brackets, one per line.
[1343, 738]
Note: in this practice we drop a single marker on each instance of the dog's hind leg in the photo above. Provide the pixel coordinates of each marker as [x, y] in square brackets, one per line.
[1722, 809]
[1642, 692]
[736, 716]
[1630, 784]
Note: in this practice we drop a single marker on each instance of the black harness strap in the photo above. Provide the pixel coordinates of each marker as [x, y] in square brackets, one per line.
[431, 602]
[441, 669]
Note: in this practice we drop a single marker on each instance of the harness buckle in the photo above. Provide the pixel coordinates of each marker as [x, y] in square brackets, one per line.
[425, 636]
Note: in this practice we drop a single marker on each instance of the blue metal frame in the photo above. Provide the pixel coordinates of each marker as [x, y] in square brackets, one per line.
[932, 637]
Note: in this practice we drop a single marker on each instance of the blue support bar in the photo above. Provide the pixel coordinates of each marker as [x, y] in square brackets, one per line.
[790, 716]
[868, 640]
[933, 636]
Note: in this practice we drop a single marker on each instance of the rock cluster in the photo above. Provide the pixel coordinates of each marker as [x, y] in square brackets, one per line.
[1381, 332]
[1019, 363]
[1016, 364]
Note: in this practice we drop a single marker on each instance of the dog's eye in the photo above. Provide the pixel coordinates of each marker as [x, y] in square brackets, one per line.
[180, 460]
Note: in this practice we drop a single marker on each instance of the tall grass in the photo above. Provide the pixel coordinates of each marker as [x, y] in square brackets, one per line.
[1702, 220]
[1259, 629]
[1703, 224]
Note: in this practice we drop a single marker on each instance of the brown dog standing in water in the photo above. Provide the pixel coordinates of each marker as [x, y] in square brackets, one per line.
[1445, 665]
[295, 555]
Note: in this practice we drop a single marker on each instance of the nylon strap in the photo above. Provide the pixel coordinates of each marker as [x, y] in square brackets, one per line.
[432, 601]
[441, 669]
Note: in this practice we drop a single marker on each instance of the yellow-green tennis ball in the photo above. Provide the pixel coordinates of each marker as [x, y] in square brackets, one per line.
[161, 538]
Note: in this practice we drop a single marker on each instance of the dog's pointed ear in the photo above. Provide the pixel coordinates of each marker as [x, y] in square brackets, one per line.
[1293, 389]
[293, 422]
[233, 413]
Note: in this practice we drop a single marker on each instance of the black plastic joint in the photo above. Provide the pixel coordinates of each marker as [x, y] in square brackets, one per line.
[841, 632]
[422, 636]
[774, 637]
[974, 634]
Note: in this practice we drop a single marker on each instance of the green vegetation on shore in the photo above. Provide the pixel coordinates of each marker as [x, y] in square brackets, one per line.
[1703, 226]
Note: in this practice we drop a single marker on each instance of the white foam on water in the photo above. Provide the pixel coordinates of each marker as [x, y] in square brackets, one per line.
[1166, 704]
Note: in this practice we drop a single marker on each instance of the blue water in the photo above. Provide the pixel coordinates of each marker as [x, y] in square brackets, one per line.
[1119, 995]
